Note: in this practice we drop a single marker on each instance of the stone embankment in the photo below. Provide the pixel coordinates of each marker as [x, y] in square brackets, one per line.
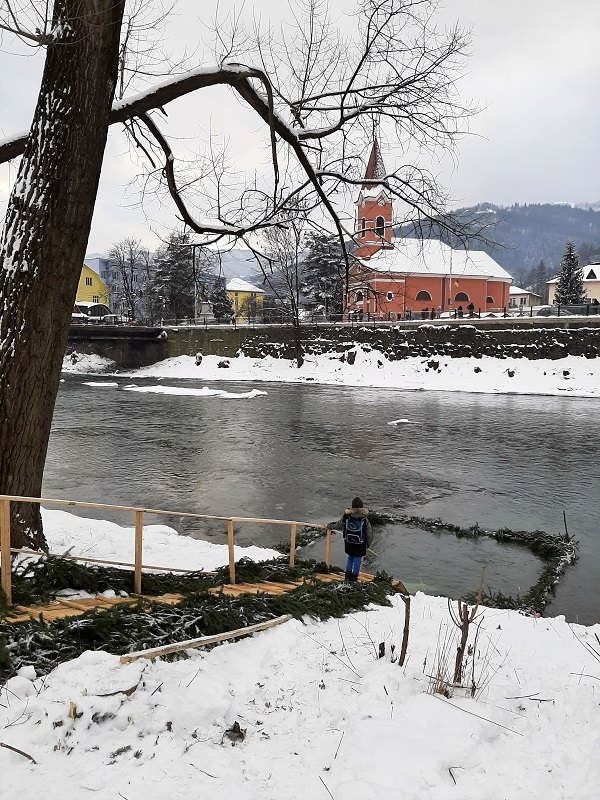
[531, 339]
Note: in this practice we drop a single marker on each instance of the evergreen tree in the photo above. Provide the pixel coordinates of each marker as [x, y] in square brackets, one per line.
[184, 272]
[569, 290]
[221, 304]
[323, 270]
[539, 280]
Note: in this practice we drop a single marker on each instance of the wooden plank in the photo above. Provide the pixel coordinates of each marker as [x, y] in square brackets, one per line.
[161, 512]
[292, 544]
[328, 547]
[231, 551]
[5, 573]
[87, 559]
[139, 534]
[156, 652]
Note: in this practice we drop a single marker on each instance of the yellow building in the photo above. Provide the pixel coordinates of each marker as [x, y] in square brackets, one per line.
[91, 288]
[246, 300]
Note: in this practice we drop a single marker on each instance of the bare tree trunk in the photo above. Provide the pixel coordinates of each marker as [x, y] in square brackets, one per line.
[405, 632]
[45, 237]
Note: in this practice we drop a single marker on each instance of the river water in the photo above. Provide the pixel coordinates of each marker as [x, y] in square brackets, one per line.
[303, 451]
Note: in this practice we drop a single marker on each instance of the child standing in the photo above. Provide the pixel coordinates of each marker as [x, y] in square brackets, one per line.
[358, 535]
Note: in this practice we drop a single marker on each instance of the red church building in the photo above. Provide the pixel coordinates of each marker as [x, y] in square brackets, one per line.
[393, 278]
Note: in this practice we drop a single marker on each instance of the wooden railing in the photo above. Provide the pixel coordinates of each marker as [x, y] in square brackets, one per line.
[6, 550]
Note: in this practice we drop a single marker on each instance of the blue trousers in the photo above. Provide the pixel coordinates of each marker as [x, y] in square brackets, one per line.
[353, 564]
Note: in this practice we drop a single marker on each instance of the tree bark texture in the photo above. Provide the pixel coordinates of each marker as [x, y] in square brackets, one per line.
[45, 237]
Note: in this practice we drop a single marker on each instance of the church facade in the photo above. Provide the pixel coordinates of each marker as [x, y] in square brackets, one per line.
[395, 278]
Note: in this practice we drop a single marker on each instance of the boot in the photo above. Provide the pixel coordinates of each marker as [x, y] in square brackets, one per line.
[348, 576]
[353, 577]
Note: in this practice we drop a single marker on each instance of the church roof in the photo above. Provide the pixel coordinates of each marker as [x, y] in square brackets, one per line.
[375, 166]
[432, 257]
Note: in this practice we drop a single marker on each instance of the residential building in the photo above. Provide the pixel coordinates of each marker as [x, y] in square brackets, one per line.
[591, 284]
[523, 298]
[91, 288]
[392, 277]
[246, 300]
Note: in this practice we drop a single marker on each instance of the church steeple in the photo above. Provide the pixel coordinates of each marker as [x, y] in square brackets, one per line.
[374, 212]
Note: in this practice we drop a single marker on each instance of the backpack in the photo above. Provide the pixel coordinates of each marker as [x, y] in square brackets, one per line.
[354, 531]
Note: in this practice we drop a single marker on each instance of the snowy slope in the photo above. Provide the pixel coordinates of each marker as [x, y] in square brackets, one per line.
[323, 717]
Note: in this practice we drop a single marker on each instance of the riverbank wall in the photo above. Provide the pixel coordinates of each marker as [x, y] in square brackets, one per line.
[530, 338]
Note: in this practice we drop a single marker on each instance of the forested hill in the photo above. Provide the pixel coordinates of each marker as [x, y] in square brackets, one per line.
[527, 234]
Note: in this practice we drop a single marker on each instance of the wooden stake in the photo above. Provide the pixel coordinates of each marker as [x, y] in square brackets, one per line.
[155, 652]
[328, 547]
[5, 550]
[139, 533]
[231, 551]
[292, 544]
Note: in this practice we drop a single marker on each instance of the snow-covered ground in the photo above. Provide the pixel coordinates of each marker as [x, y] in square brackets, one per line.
[163, 547]
[573, 375]
[324, 718]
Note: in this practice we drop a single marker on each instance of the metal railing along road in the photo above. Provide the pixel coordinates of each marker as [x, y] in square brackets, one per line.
[6, 551]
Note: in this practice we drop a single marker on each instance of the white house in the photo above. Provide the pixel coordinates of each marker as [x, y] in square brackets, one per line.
[591, 284]
[522, 298]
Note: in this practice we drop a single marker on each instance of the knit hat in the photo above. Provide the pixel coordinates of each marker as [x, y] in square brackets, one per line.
[357, 503]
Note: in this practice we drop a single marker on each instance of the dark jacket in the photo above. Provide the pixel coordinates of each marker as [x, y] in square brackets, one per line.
[356, 513]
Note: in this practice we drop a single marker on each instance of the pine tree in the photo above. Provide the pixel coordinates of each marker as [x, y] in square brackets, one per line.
[221, 304]
[569, 290]
[539, 280]
[323, 272]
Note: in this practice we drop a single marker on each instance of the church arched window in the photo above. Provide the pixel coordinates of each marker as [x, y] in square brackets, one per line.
[423, 295]
[359, 296]
[380, 226]
[461, 297]
[489, 300]
[363, 226]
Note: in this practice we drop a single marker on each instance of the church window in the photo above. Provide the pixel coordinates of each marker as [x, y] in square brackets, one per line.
[389, 296]
[489, 299]
[591, 275]
[363, 226]
[423, 295]
[359, 296]
[379, 226]
[461, 297]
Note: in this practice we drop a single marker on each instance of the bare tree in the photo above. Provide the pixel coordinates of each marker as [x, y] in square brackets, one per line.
[318, 95]
[282, 271]
[131, 264]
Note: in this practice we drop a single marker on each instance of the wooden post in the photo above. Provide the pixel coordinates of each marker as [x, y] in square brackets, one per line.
[5, 550]
[231, 551]
[137, 574]
[292, 544]
[328, 547]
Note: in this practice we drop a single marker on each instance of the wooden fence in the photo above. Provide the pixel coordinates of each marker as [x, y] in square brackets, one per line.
[138, 515]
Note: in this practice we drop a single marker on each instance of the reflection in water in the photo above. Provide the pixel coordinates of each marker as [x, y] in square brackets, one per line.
[303, 451]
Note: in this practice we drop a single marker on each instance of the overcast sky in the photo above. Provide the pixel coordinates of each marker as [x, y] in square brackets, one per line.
[534, 71]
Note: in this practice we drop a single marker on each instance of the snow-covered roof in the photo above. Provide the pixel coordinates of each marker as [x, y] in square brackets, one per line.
[87, 304]
[239, 285]
[514, 290]
[432, 257]
[593, 269]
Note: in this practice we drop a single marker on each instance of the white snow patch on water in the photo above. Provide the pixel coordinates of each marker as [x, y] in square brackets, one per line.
[204, 392]
[100, 383]
[403, 422]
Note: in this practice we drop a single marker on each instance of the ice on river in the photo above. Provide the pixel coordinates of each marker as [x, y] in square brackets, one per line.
[204, 392]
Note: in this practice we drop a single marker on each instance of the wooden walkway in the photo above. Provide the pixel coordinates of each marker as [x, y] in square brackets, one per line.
[59, 609]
